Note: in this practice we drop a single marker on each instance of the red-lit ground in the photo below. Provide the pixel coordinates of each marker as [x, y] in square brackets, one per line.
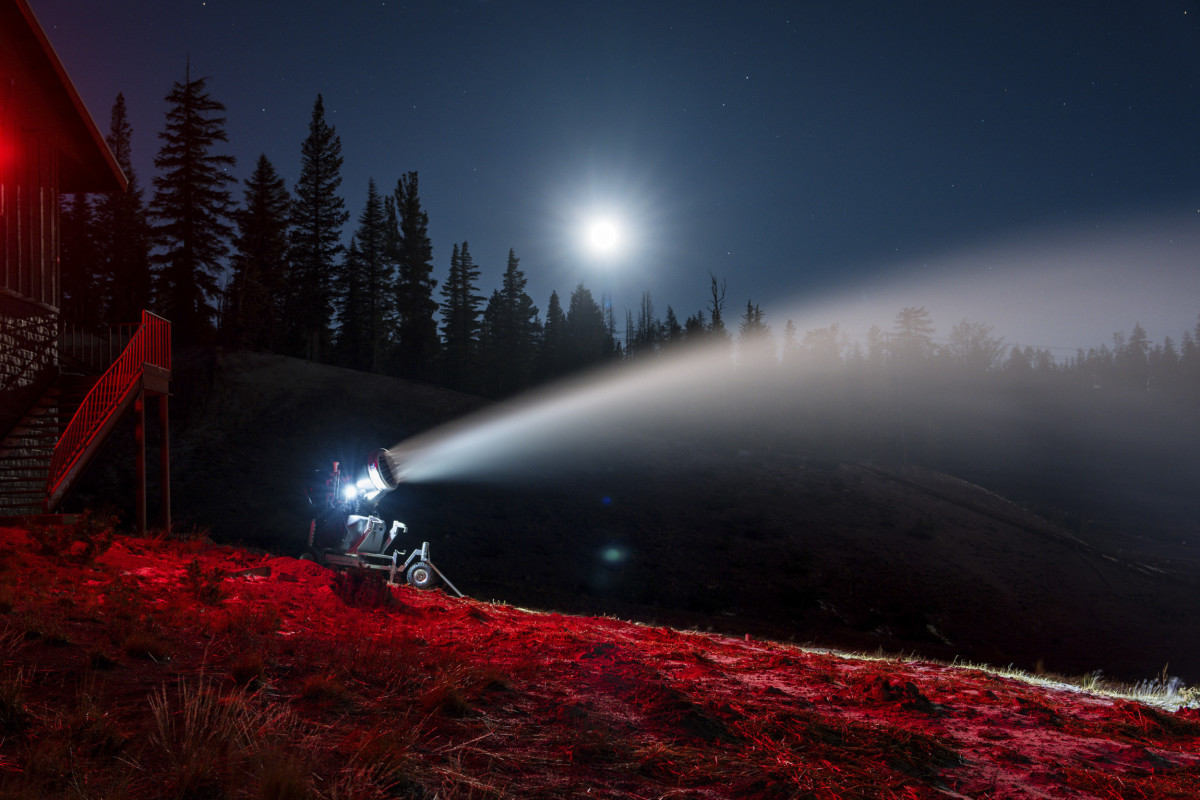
[332, 688]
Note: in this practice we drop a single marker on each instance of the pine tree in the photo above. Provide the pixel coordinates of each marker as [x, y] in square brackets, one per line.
[123, 233]
[552, 355]
[349, 292]
[1132, 359]
[587, 338]
[81, 284]
[1164, 365]
[630, 335]
[492, 366]
[509, 345]
[416, 346]
[694, 328]
[255, 311]
[460, 321]
[672, 332]
[973, 349]
[912, 342]
[363, 288]
[716, 307]
[823, 347]
[754, 338]
[1189, 360]
[610, 328]
[318, 215]
[646, 335]
[192, 208]
[790, 350]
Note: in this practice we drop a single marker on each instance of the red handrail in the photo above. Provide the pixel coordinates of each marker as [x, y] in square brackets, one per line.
[150, 345]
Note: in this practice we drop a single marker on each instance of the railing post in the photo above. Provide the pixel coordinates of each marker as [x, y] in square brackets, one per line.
[164, 462]
[139, 437]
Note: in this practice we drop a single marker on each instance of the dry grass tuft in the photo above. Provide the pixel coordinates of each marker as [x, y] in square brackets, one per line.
[207, 586]
[91, 729]
[324, 689]
[254, 621]
[248, 668]
[14, 716]
[362, 588]
[387, 761]
[283, 775]
[215, 744]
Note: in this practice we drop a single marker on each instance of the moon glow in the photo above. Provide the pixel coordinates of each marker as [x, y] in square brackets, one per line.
[603, 236]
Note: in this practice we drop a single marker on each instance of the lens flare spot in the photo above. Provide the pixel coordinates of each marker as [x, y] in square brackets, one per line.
[614, 555]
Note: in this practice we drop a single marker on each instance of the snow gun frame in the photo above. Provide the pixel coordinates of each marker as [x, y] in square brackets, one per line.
[342, 535]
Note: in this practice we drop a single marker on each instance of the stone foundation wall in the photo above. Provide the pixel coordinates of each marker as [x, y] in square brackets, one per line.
[28, 355]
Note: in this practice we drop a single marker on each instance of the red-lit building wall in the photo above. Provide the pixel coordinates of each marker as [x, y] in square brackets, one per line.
[48, 145]
[29, 219]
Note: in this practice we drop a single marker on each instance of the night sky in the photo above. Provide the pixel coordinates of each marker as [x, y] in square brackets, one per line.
[800, 151]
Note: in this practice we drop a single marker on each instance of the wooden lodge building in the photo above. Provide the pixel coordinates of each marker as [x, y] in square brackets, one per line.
[49, 146]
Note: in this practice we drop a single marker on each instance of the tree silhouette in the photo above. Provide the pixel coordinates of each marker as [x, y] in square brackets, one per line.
[255, 309]
[1132, 360]
[973, 348]
[363, 288]
[716, 307]
[81, 284]
[510, 332]
[912, 339]
[646, 334]
[552, 357]
[318, 215]
[192, 207]
[416, 346]
[122, 233]
[694, 327]
[460, 320]
[1189, 360]
[671, 331]
[823, 347]
[790, 349]
[755, 346]
[587, 337]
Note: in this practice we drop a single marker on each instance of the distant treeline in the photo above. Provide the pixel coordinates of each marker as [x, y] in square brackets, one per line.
[271, 273]
[1107, 437]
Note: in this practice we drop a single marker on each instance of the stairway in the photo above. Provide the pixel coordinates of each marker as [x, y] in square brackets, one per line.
[26, 451]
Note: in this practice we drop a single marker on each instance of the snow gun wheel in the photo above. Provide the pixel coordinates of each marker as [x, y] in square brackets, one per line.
[421, 576]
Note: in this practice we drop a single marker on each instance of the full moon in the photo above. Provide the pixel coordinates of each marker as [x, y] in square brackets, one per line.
[603, 236]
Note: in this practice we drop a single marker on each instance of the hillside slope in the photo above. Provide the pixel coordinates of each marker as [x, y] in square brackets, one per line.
[158, 668]
[712, 532]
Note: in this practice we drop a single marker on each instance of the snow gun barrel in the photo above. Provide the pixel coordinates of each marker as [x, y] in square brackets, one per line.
[381, 472]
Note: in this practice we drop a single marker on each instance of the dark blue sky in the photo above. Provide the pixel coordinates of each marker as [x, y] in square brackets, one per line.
[792, 149]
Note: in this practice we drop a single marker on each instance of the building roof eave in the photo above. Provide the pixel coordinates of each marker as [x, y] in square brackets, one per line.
[95, 169]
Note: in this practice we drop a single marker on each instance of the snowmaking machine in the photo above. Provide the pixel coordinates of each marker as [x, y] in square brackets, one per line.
[345, 533]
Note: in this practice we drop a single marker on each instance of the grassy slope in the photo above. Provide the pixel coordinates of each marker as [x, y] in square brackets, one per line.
[182, 669]
[712, 533]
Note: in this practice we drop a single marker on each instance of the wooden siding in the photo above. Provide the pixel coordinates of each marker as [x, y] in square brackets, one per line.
[29, 218]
